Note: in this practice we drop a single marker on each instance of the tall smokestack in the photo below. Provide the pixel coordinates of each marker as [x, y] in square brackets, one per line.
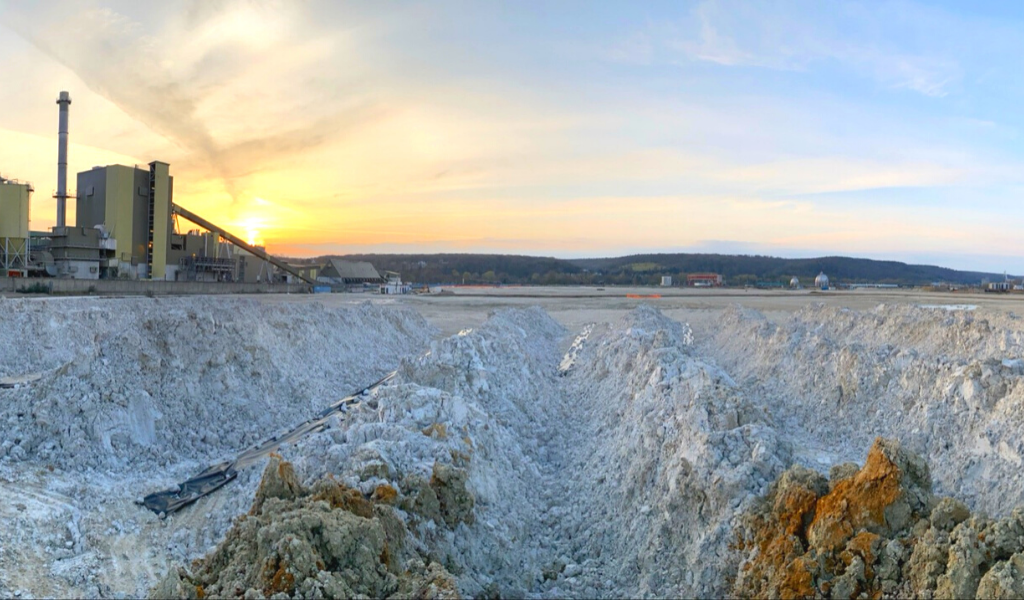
[62, 158]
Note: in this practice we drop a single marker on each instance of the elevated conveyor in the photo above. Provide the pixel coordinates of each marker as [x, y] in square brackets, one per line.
[234, 239]
[216, 476]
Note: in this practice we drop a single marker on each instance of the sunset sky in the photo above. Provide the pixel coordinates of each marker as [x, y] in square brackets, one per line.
[881, 130]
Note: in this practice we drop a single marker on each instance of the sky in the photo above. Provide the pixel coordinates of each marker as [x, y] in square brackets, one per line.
[570, 129]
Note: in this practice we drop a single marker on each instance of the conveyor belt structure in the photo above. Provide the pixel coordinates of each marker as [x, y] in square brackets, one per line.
[217, 476]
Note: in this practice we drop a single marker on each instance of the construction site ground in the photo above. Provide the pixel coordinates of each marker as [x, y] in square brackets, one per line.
[575, 306]
[614, 444]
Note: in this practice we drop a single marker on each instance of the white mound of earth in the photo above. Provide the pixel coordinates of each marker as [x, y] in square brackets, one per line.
[617, 469]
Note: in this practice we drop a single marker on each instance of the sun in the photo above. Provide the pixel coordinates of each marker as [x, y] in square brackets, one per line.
[250, 228]
[254, 218]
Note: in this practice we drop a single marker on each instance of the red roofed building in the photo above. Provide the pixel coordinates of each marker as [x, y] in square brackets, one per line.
[704, 279]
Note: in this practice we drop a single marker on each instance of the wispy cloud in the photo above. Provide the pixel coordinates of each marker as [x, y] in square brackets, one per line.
[799, 37]
[177, 90]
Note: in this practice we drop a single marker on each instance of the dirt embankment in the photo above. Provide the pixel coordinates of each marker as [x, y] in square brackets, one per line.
[876, 532]
[328, 542]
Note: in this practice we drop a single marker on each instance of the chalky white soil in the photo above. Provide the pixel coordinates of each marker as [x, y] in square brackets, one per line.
[614, 460]
[138, 394]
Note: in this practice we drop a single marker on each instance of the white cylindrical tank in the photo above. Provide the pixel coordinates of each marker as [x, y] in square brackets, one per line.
[821, 281]
[666, 280]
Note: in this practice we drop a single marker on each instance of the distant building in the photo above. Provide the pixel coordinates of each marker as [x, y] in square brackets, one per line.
[393, 284]
[821, 281]
[704, 280]
[794, 283]
[880, 286]
[349, 273]
[310, 270]
[666, 281]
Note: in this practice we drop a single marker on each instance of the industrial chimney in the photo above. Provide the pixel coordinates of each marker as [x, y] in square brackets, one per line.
[62, 159]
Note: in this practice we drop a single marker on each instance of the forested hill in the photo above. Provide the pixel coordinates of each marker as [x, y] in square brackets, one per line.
[770, 268]
[649, 268]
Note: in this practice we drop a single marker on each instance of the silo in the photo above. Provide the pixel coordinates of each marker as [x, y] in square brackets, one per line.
[14, 245]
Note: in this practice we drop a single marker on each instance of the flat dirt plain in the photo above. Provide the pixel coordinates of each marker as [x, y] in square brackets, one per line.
[573, 307]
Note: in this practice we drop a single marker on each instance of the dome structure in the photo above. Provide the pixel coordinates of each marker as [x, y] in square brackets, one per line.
[821, 281]
[794, 282]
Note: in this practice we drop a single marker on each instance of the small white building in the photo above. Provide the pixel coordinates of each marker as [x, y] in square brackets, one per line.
[393, 284]
[666, 281]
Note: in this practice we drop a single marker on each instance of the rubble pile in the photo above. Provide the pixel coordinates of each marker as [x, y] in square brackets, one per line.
[665, 454]
[875, 531]
[638, 458]
[949, 384]
[325, 542]
[472, 423]
[144, 383]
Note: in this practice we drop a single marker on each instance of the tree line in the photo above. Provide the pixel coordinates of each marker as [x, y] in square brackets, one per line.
[647, 269]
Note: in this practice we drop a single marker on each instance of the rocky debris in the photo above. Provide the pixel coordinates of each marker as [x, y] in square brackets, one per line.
[327, 542]
[463, 443]
[139, 393]
[621, 477]
[662, 453]
[878, 531]
[483, 468]
[949, 384]
[454, 503]
[138, 384]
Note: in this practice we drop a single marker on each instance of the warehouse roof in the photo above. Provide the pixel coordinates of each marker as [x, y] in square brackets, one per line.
[350, 272]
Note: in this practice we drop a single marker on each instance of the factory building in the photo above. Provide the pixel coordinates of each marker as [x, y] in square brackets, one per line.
[308, 270]
[704, 280]
[14, 233]
[350, 274]
[133, 206]
[200, 256]
[79, 252]
[125, 227]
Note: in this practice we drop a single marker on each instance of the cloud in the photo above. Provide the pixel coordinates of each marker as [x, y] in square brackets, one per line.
[803, 36]
[170, 87]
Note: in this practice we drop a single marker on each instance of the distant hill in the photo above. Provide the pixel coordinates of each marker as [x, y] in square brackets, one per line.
[770, 268]
[641, 269]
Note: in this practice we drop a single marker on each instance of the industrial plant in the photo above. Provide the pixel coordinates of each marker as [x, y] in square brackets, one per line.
[127, 227]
